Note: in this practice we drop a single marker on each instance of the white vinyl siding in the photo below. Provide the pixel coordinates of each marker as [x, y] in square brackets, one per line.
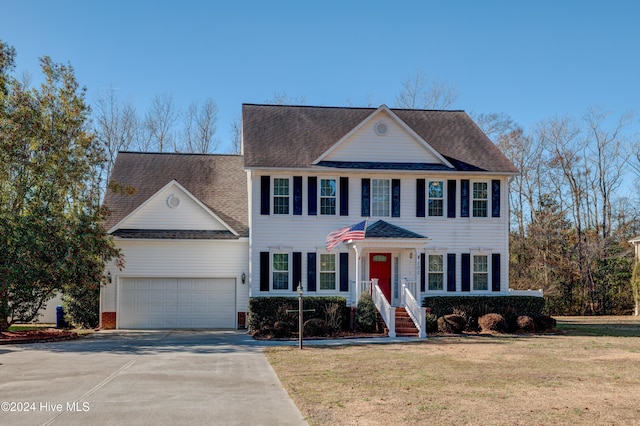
[180, 258]
[157, 214]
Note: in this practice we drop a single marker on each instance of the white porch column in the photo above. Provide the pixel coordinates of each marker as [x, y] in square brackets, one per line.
[355, 303]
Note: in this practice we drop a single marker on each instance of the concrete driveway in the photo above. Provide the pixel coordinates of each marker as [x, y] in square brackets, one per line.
[143, 378]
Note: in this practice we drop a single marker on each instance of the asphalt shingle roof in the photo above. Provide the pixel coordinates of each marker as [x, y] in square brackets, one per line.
[218, 181]
[382, 229]
[295, 136]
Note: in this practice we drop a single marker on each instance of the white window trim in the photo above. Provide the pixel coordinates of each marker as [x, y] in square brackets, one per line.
[319, 192]
[336, 272]
[388, 213]
[272, 270]
[473, 272]
[444, 270]
[444, 198]
[273, 196]
[487, 200]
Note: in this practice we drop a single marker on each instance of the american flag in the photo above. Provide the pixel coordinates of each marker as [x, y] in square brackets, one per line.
[355, 232]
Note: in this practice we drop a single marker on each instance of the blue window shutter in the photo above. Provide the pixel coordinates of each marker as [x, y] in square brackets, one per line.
[451, 198]
[344, 271]
[420, 198]
[464, 198]
[313, 196]
[297, 195]
[311, 272]
[366, 197]
[264, 271]
[344, 196]
[495, 198]
[466, 271]
[265, 194]
[423, 271]
[495, 271]
[451, 272]
[297, 269]
[395, 197]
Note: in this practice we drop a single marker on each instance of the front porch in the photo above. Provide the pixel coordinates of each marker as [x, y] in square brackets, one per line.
[406, 318]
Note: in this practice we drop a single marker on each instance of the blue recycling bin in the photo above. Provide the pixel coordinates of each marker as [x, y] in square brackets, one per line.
[60, 321]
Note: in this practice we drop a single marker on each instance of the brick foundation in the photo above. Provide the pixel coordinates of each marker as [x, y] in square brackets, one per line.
[108, 321]
[242, 320]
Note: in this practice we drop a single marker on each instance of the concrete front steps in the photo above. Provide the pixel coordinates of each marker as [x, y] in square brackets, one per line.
[405, 327]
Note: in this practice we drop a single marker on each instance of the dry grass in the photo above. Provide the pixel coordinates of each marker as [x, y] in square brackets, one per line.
[589, 375]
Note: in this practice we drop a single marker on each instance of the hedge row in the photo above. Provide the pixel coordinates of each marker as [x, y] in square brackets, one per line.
[477, 306]
[267, 313]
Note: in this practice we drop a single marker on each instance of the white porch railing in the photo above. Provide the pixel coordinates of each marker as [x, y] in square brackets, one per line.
[417, 313]
[387, 312]
[536, 293]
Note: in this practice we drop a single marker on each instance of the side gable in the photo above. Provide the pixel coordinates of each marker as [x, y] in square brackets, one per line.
[172, 208]
[383, 138]
[277, 136]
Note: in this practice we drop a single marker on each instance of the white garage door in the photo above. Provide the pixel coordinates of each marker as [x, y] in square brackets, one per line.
[154, 303]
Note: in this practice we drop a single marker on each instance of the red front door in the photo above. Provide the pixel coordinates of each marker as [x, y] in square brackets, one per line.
[380, 268]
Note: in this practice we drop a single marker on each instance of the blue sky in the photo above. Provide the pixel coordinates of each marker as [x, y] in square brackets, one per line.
[529, 59]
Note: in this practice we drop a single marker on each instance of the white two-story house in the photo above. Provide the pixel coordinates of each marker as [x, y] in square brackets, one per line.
[201, 234]
[430, 186]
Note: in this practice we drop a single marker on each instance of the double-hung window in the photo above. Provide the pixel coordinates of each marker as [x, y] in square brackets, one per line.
[280, 268]
[480, 272]
[480, 199]
[436, 272]
[281, 196]
[327, 271]
[328, 196]
[436, 198]
[380, 197]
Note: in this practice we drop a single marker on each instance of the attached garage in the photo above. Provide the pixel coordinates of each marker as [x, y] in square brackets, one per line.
[165, 303]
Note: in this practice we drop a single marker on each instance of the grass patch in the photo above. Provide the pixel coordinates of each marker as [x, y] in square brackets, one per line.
[587, 375]
[30, 327]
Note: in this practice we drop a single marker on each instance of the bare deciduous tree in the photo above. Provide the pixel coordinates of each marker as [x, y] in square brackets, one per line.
[421, 92]
[116, 125]
[159, 123]
[200, 123]
[236, 135]
[284, 99]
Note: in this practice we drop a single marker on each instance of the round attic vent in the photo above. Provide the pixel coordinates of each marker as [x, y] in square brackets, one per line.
[173, 201]
[381, 128]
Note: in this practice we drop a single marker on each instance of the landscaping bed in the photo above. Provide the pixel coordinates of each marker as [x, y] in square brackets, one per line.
[28, 335]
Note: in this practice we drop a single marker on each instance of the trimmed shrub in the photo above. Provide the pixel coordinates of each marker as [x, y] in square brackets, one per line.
[451, 324]
[268, 316]
[544, 323]
[477, 306]
[334, 317]
[315, 327]
[366, 314]
[525, 324]
[432, 323]
[492, 323]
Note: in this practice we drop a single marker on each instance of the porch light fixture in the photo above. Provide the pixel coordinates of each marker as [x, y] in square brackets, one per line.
[243, 277]
[109, 277]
